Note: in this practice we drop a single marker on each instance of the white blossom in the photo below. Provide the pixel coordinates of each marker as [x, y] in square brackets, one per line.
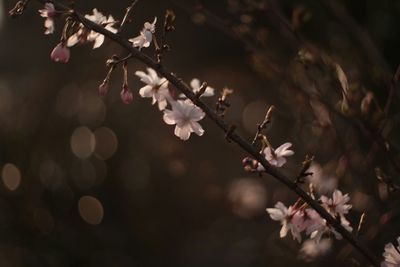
[391, 255]
[311, 249]
[196, 85]
[186, 116]
[156, 87]
[49, 13]
[83, 35]
[276, 157]
[146, 35]
[337, 205]
[291, 220]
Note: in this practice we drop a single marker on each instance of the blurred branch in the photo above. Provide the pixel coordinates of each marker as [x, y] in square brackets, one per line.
[232, 135]
[371, 51]
[279, 21]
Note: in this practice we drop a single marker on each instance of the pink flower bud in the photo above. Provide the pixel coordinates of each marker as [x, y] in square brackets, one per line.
[60, 53]
[103, 88]
[126, 95]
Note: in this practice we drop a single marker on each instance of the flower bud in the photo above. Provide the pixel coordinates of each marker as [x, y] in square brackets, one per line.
[249, 164]
[103, 88]
[126, 95]
[60, 53]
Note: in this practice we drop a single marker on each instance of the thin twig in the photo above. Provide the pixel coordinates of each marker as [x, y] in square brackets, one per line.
[232, 135]
[128, 13]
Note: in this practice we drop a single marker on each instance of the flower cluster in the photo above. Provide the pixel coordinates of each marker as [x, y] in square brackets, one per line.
[83, 35]
[275, 157]
[300, 218]
[392, 255]
[182, 112]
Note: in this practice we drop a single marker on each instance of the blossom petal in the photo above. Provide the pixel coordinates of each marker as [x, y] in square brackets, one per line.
[146, 91]
[169, 117]
[183, 131]
[196, 128]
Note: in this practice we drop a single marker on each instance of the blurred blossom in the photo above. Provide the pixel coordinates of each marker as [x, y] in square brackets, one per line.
[254, 113]
[320, 112]
[383, 191]
[91, 210]
[106, 143]
[311, 249]
[248, 197]
[83, 142]
[323, 184]
[11, 176]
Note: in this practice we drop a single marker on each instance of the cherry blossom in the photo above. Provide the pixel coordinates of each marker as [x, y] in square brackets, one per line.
[84, 35]
[196, 85]
[311, 249]
[49, 12]
[186, 116]
[146, 35]
[336, 204]
[60, 53]
[391, 255]
[291, 220]
[276, 157]
[156, 87]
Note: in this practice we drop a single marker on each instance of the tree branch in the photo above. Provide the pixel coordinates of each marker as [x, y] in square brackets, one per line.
[232, 135]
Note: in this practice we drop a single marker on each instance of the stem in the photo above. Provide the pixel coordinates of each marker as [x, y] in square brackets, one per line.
[127, 15]
[232, 135]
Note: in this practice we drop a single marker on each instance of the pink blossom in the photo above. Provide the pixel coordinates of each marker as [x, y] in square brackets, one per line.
[276, 157]
[60, 53]
[146, 35]
[337, 204]
[391, 255]
[84, 35]
[49, 12]
[291, 219]
[185, 115]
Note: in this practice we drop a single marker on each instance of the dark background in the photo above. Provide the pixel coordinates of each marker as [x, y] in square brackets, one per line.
[159, 201]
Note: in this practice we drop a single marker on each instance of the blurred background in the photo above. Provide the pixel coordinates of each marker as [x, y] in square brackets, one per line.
[89, 181]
